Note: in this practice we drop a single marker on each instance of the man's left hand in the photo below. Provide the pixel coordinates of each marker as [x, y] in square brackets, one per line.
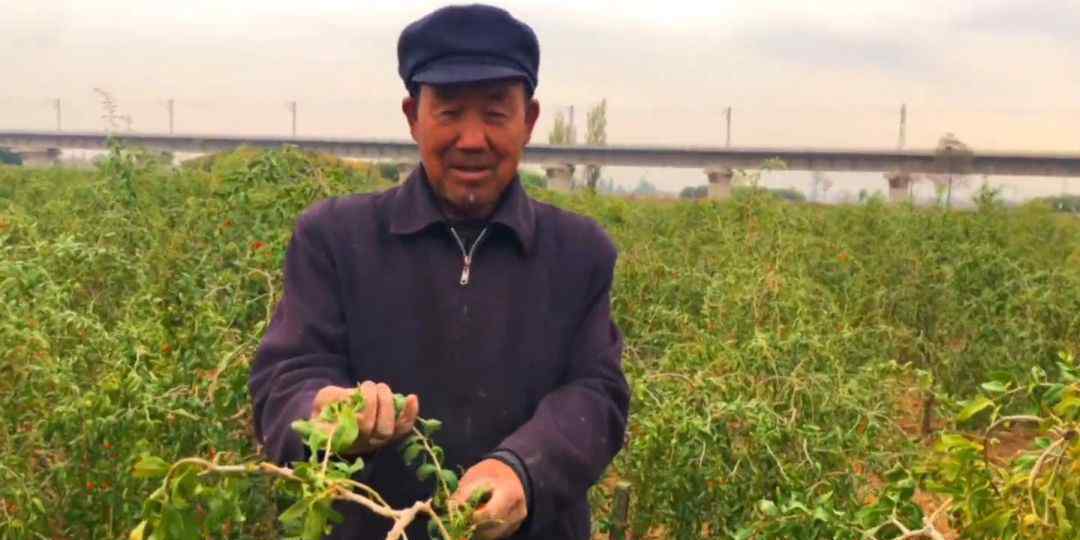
[504, 512]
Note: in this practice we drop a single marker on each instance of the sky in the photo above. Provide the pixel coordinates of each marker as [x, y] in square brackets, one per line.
[1001, 75]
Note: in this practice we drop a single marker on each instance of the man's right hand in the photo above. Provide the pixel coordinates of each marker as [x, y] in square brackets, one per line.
[378, 422]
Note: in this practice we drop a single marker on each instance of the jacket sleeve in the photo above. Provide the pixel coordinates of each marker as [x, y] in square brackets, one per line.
[305, 346]
[577, 429]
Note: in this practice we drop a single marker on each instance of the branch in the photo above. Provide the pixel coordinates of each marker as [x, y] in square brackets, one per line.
[1035, 474]
[376, 504]
[435, 459]
[1006, 419]
[928, 529]
[406, 517]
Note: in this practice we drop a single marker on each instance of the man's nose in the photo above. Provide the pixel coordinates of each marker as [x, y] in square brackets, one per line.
[473, 135]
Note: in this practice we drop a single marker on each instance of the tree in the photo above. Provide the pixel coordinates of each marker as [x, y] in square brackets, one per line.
[595, 135]
[694, 192]
[562, 132]
[644, 187]
[952, 161]
[111, 112]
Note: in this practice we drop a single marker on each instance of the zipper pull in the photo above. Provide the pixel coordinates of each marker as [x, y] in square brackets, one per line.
[465, 271]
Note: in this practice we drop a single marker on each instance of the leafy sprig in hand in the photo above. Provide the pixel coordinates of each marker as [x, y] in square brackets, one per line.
[197, 497]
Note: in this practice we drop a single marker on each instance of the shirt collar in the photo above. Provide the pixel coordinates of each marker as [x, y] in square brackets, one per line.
[414, 208]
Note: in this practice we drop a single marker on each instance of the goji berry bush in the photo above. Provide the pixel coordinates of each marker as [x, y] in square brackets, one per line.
[793, 365]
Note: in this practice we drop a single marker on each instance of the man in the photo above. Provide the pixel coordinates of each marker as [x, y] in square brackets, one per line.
[488, 308]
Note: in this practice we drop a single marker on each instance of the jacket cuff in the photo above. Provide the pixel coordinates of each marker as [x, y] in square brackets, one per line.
[511, 459]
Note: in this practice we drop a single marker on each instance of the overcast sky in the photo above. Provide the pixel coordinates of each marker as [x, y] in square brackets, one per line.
[1000, 74]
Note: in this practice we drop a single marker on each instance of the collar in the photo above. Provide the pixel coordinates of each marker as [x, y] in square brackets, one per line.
[413, 208]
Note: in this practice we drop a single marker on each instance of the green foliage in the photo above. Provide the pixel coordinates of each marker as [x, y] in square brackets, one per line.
[788, 194]
[533, 180]
[595, 135]
[1062, 203]
[7, 157]
[197, 498]
[694, 192]
[1033, 494]
[771, 349]
[131, 302]
[562, 132]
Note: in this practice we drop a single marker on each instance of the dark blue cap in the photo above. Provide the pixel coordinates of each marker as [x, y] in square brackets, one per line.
[462, 44]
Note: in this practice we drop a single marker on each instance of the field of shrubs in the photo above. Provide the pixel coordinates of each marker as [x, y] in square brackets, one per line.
[798, 371]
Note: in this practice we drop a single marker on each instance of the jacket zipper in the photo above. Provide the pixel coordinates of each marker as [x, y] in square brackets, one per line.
[467, 255]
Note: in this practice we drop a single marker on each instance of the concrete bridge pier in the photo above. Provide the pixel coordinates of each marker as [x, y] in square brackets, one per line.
[38, 157]
[899, 186]
[404, 169]
[719, 182]
[560, 176]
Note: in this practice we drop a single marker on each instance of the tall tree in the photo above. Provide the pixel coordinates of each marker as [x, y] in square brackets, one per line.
[595, 135]
[562, 132]
[952, 161]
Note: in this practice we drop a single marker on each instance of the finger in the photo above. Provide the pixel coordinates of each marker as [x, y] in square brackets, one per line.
[491, 532]
[465, 488]
[327, 395]
[366, 419]
[384, 418]
[408, 416]
[494, 511]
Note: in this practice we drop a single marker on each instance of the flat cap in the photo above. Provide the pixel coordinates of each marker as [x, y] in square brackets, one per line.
[462, 44]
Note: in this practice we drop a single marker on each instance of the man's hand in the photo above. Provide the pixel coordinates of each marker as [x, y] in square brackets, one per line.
[505, 511]
[378, 422]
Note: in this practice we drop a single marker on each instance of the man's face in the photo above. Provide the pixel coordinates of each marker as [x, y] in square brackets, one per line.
[471, 138]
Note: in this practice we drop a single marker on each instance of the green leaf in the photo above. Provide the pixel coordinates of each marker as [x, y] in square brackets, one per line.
[183, 489]
[994, 387]
[767, 507]
[137, 532]
[450, 479]
[974, 407]
[433, 530]
[150, 467]
[293, 515]
[429, 426]
[179, 525]
[1068, 407]
[1054, 393]
[303, 427]
[994, 524]
[399, 404]
[425, 471]
[479, 496]
[315, 523]
[411, 452]
[346, 432]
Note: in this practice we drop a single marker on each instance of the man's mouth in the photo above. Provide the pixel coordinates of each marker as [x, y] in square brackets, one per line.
[470, 172]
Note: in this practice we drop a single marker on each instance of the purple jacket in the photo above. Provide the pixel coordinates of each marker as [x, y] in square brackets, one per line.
[522, 362]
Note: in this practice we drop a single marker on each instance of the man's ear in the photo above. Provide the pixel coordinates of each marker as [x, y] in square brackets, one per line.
[410, 107]
[532, 113]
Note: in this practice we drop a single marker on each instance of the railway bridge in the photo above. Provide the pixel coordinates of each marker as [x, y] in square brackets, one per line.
[559, 161]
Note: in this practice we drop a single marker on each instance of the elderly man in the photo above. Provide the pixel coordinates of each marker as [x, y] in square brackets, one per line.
[489, 308]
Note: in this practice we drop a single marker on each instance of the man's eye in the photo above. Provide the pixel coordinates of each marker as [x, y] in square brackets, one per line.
[497, 115]
[449, 113]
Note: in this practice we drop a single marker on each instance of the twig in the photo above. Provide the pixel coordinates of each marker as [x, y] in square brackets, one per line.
[434, 458]
[928, 528]
[1006, 419]
[329, 443]
[1035, 473]
[405, 517]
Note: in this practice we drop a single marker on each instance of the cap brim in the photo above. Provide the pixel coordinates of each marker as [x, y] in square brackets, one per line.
[458, 72]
